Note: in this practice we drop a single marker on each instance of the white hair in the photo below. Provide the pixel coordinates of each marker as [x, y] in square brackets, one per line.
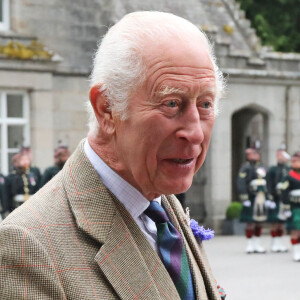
[119, 65]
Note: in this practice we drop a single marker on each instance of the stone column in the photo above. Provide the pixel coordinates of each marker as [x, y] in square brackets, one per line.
[293, 119]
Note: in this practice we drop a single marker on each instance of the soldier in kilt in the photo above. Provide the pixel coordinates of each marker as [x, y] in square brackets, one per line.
[277, 216]
[21, 183]
[252, 191]
[291, 196]
[61, 154]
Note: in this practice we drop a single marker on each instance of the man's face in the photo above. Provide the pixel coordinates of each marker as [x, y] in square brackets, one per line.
[295, 163]
[165, 138]
[24, 161]
[254, 156]
[61, 157]
[281, 158]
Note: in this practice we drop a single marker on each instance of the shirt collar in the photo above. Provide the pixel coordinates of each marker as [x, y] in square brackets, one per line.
[130, 197]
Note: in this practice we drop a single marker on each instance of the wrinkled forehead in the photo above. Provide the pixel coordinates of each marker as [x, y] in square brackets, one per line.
[177, 57]
[169, 43]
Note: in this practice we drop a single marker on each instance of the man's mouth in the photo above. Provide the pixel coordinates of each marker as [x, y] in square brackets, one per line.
[182, 161]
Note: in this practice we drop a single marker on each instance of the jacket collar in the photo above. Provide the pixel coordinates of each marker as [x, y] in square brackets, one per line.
[88, 197]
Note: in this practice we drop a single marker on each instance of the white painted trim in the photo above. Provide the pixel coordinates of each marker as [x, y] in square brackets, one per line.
[15, 121]
[5, 122]
[4, 157]
[26, 108]
[5, 24]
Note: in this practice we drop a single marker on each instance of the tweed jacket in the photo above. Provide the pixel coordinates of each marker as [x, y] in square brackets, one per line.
[74, 240]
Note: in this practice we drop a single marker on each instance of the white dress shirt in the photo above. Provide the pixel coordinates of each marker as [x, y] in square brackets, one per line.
[131, 198]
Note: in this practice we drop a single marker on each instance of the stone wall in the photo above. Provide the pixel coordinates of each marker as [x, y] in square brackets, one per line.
[72, 28]
[69, 114]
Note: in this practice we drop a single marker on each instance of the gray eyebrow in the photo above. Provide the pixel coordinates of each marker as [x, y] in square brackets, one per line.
[167, 90]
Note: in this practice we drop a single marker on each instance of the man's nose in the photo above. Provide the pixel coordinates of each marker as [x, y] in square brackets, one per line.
[191, 128]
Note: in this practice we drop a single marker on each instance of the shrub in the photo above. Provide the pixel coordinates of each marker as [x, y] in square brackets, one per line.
[233, 211]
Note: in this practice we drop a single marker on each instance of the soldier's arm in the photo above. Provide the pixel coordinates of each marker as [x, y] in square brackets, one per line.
[242, 183]
[285, 190]
[4, 198]
[8, 198]
[46, 177]
[38, 176]
[271, 184]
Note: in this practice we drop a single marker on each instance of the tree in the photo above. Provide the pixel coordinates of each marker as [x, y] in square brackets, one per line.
[277, 22]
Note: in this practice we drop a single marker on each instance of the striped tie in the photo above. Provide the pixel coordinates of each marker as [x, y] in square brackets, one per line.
[171, 248]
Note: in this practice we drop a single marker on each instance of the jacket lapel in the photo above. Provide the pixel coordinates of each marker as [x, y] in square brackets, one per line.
[90, 201]
[123, 259]
[156, 272]
[123, 265]
[126, 258]
[205, 284]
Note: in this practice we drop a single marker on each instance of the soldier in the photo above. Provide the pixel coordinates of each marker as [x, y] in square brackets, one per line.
[291, 195]
[33, 169]
[277, 215]
[22, 182]
[251, 186]
[61, 154]
[2, 197]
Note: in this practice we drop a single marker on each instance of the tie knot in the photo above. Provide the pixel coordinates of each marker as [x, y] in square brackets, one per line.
[156, 213]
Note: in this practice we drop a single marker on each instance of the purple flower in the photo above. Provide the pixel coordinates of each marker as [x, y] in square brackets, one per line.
[200, 232]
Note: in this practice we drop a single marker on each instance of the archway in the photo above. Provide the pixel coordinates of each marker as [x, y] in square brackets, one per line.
[249, 126]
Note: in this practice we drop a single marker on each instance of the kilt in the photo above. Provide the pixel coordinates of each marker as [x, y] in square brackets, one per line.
[295, 224]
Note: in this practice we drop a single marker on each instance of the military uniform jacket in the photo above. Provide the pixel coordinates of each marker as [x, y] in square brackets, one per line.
[74, 240]
[3, 203]
[247, 173]
[274, 176]
[37, 174]
[14, 185]
[290, 183]
[49, 174]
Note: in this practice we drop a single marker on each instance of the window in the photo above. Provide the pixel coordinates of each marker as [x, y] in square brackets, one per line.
[14, 126]
[4, 15]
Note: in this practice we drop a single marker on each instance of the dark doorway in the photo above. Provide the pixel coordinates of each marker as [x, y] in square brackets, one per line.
[249, 127]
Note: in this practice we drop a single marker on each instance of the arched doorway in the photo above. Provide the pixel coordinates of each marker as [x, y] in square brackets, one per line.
[249, 126]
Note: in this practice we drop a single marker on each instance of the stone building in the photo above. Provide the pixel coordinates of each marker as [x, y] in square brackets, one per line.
[46, 50]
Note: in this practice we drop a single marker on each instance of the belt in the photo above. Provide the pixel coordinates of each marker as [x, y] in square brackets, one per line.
[21, 198]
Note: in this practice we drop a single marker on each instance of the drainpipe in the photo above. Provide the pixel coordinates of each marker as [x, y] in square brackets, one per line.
[287, 117]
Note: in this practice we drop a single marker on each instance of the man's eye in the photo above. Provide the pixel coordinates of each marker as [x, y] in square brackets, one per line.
[206, 104]
[171, 103]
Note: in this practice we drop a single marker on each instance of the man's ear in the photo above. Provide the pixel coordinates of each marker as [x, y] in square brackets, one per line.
[101, 109]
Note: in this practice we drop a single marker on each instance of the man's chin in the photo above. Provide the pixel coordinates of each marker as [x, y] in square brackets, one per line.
[177, 188]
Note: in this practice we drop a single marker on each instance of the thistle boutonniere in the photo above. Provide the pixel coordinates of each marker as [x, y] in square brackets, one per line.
[199, 232]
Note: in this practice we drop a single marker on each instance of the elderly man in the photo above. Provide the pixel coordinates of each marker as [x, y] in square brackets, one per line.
[107, 226]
